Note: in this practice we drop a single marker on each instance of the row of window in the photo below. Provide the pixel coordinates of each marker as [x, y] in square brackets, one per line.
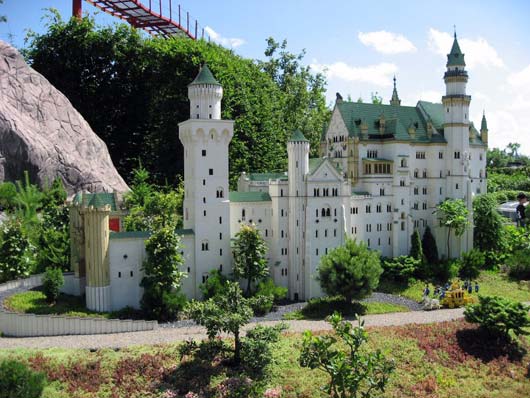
[417, 190]
[423, 206]
[377, 168]
[368, 208]
[326, 233]
[325, 191]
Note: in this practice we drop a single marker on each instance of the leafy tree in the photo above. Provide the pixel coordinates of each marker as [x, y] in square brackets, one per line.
[353, 371]
[214, 285]
[8, 191]
[132, 89]
[18, 381]
[256, 352]
[162, 277]
[453, 215]
[513, 147]
[471, 264]
[351, 270]
[400, 268]
[227, 312]
[15, 252]
[52, 281]
[141, 188]
[249, 251]
[488, 233]
[499, 316]
[416, 249]
[429, 246]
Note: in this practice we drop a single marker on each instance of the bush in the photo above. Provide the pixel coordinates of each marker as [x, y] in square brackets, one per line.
[256, 353]
[430, 250]
[519, 265]
[499, 316]
[416, 250]
[17, 381]
[52, 281]
[321, 307]
[444, 271]
[351, 270]
[8, 191]
[268, 288]
[16, 259]
[400, 268]
[471, 264]
[215, 284]
[261, 304]
[488, 232]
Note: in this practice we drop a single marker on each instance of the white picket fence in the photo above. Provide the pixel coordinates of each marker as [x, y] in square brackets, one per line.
[30, 325]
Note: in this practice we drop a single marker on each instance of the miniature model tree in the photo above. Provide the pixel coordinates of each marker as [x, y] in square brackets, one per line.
[453, 215]
[488, 232]
[226, 312]
[429, 246]
[14, 247]
[249, 252]
[416, 250]
[351, 270]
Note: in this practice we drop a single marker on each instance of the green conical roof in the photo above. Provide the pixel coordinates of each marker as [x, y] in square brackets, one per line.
[455, 57]
[483, 124]
[205, 76]
[298, 136]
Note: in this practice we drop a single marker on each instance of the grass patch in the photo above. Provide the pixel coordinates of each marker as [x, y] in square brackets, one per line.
[491, 283]
[444, 360]
[320, 308]
[34, 302]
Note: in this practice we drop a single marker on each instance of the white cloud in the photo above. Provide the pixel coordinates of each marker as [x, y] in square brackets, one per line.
[232, 42]
[477, 52]
[380, 74]
[387, 42]
[430, 96]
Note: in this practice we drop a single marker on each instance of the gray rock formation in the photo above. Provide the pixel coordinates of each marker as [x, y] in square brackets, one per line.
[41, 132]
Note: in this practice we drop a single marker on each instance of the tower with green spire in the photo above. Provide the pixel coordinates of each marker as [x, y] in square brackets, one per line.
[484, 129]
[395, 98]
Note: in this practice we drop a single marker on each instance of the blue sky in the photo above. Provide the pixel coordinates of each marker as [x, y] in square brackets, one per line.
[361, 45]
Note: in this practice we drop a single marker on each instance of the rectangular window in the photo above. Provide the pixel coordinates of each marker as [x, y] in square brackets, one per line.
[316, 252]
[220, 220]
[204, 213]
[210, 172]
[440, 155]
[220, 236]
[457, 155]
[220, 252]
[204, 152]
[203, 182]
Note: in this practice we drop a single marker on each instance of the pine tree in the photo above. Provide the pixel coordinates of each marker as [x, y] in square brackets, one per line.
[416, 249]
[429, 247]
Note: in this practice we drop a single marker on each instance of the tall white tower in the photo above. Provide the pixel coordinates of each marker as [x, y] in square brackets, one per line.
[456, 131]
[298, 168]
[205, 138]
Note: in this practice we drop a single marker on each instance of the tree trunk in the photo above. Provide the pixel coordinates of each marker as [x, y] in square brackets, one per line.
[237, 350]
[448, 245]
[248, 287]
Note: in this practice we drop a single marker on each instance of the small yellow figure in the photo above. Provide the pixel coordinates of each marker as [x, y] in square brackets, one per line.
[457, 297]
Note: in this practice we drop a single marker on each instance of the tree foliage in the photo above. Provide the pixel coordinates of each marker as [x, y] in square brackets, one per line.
[430, 249]
[132, 90]
[352, 370]
[453, 215]
[488, 233]
[52, 281]
[351, 270]
[249, 251]
[18, 381]
[400, 268]
[16, 258]
[227, 312]
[416, 248]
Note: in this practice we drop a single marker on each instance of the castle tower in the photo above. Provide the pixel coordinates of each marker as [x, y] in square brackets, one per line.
[96, 234]
[456, 122]
[298, 168]
[205, 138]
[484, 129]
[395, 97]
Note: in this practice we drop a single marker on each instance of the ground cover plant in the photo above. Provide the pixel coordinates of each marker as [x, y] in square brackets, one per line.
[444, 360]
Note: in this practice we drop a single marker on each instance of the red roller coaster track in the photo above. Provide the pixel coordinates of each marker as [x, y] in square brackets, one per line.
[158, 17]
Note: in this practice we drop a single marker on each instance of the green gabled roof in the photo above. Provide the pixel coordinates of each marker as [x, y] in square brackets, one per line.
[435, 112]
[96, 200]
[205, 76]
[237, 196]
[266, 176]
[455, 57]
[188, 231]
[397, 120]
[298, 136]
[129, 235]
[314, 164]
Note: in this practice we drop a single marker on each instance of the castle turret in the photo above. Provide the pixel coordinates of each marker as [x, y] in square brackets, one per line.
[484, 129]
[395, 97]
[205, 138]
[298, 168]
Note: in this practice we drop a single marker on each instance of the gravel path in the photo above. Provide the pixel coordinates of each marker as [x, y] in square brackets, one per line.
[169, 335]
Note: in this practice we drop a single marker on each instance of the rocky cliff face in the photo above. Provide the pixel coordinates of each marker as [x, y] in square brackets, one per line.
[41, 132]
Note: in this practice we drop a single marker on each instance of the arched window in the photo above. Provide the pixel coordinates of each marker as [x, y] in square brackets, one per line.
[204, 246]
[243, 214]
[323, 213]
[328, 212]
[416, 173]
[219, 193]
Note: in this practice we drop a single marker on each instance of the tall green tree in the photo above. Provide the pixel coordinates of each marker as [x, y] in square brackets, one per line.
[429, 246]
[351, 270]
[453, 215]
[488, 233]
[416, 249]
[250, 262]
[132, 90]
[28, 201]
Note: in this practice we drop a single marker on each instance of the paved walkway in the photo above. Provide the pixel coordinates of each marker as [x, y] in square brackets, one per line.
[169, 335]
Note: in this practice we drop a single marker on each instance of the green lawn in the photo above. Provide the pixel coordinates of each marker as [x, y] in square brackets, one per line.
[321, 308]
[447, 360]
[491, 283]
[34, 302]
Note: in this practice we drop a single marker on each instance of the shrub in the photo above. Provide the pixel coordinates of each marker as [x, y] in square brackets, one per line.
[430, 250]
[519, 265]
[17, 381]
[214, 285]
[444, 271]
[235, 387]
[488, 232]
[471, 264]
[321, 307]
[268, 288]
[16, 260]
[499, 316]
[351, 270]
[8, 191]
[256, 353]
[400, 268]
[52, 281]
[352, 371]
[416, 250]
[261, 304]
